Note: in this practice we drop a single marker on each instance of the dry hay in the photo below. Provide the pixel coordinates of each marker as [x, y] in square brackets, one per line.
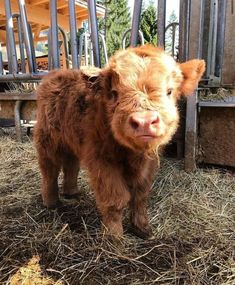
[192, 215]
[21, 87]
[216, 94]
[32, 273]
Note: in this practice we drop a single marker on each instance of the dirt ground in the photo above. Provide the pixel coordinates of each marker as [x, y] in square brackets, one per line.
[192, 214]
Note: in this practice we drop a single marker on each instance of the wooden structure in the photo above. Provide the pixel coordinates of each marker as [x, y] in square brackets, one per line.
[38, 13]
[21, 23]
[210, 129]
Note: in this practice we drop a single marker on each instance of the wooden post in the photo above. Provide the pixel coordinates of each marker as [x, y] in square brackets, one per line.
[194, 51]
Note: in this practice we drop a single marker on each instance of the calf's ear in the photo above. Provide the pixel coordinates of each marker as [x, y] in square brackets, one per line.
[192, 71]
[90, 74]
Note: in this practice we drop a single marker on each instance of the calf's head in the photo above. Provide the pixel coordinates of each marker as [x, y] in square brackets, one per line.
[142, 86]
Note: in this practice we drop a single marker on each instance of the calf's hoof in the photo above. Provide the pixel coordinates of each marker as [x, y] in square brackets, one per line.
[71, 192]
[70, 196]
[53, 205]
[113, 231]
[144, 233]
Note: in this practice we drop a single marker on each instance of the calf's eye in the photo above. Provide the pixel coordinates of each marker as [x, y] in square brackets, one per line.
[114, 95]
[169, 92]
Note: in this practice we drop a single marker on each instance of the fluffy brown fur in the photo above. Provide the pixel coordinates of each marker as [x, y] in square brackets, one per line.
[111, 121]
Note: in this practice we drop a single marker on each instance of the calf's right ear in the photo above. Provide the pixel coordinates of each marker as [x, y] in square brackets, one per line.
[192, 71]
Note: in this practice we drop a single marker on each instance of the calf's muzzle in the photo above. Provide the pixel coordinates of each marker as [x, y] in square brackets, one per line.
[144, 124]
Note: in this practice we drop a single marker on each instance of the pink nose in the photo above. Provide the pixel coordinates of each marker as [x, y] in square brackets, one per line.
[144, 120]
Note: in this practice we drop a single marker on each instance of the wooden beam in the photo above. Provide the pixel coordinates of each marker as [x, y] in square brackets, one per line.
[3, 36]
[37, 2]
[62, 4]
[37, 32]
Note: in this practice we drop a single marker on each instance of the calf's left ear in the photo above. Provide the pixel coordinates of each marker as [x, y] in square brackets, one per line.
[192, 71]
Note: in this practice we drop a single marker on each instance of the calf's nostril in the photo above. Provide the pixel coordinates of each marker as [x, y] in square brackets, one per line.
[155, 121]
[134, 124]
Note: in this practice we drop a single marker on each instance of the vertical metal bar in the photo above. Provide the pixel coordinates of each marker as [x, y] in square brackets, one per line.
[49, 50]
[220, 37]
[11, 47]
[73, 33]
[161, 20]
[212, 38]
[81, 43]
[135, 22]
[21, 42]
[28, 42]
[1, 60]
[94, 32]
[66, 50]
[90, 49]
[86, 48]
[173, 40]
[1, 63]
[54, 35]
[104, 48]
[184, 29]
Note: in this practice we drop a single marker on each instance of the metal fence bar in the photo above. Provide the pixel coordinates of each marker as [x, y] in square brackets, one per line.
[124, 38]
[55, 56]
[86, 48]
[212, 38]
[136, 22]
[81, 41]
[22, 77]
[220, 37]
[172, 26]
[11, 47]
[94, 32]
[66, 49]
[1, 61]
[103, 43]
[73, 34]
[27, 38]
[21, 42]
[161, 19]
[185, 6]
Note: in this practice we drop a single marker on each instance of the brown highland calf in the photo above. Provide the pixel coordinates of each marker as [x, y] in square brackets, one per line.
[112, 122]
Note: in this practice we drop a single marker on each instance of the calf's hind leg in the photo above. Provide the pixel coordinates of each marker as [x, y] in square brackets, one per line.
[49, 188]
[71, 167]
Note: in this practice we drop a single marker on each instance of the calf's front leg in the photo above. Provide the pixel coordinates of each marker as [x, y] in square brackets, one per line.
[138, 213]
[112, 196]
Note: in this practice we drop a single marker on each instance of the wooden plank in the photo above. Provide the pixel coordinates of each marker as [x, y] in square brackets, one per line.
[217, 104]
[217, 136]
[10, 96]
[28, 110]
[228, 70]
[37, 32]
[37, 2]
[194, 49]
